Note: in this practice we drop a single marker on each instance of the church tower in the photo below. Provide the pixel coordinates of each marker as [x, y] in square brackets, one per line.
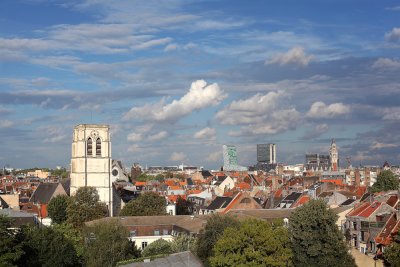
[91, 160]
[333, 154]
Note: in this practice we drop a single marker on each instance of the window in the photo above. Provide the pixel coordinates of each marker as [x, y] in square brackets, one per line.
[89, 146]
[355, 225]
[132, 233]
[156, 232]
[245, 200]
[165, 232]
[98, 147]
[144, 244]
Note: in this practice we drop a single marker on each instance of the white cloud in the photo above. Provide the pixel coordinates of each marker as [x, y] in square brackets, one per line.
[295, 56]
[393, 35]
[158, 136]
[378, 145]
[262, 114]
[321, 110]
[386, 63]
[171, 47]
[178, 156]
[214, 156]
[134, 137]
[199, 96]
[391, 114]
[206, 133]
[6, 124]
[317, 131]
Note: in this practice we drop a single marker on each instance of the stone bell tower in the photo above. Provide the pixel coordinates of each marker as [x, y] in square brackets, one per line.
[91, 160]
[334, 157]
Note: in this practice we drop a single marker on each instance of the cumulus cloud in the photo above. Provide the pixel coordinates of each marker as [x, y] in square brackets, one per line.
[134, 137]
[378, 145]
[393, 35]
[262, 114]
[391, 114]
[386, 63]
[158, 136]
[321, 110]
[6, 124]
[214, 156]
[199, 96]
[295, 56]
[178, 156]
[317, 131]
[206, 133]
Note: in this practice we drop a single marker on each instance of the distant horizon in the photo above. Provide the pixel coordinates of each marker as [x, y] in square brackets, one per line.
[176, 80]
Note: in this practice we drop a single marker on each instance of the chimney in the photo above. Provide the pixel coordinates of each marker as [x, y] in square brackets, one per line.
[357, 177]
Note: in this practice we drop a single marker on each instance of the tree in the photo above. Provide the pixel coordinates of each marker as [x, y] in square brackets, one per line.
[392, 252]
[85, 206]
[72, 234]
[214, 228]
[147, 204]
[184, 243]
[10, 247]
[107, 243]
[46, 247]
[385, 181]
[158, 247]
[316, 239]
[57, 208]
[183, 206]
[255, 243]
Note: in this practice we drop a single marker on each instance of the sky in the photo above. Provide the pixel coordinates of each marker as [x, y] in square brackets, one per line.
[178, 79]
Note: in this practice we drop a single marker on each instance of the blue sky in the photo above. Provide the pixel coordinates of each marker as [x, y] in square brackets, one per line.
[177, 79]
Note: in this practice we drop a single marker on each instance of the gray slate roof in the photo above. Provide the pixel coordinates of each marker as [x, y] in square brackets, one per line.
[43, 193]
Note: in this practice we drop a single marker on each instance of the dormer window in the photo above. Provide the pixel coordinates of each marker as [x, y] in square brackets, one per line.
[89, 147]
[98, 147]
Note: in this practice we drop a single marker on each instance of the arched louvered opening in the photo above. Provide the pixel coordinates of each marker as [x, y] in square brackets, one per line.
[89, 144]
[98, 147]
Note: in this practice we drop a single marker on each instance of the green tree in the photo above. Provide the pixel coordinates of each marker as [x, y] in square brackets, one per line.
[85, 206]
[385, 181]
[72, 234]
[184, 243]
[57, 208]
[214, 228]
[392, 252]
[158, 247]
[10, 247]
[46, 247]
[183, 206]
[147, 204]
[316, 239]
[107, 243]
[255, 243]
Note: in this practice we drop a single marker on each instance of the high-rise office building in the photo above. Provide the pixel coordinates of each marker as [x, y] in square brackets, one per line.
[266, 153]
[230, 159]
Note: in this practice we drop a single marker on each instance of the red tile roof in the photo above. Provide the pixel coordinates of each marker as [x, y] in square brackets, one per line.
[175, 187]
[169, 182]
[392, 200]
[301, 201]
[140, 183]
[243, 186]
[232, 203]
[358, 209]
[385, 237]
[278, 193]
[174, 198]
[370, 209]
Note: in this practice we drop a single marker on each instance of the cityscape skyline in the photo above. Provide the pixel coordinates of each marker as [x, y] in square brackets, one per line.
[177, 80]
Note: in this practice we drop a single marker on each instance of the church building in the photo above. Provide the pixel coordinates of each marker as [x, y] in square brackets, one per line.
[91, 162]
